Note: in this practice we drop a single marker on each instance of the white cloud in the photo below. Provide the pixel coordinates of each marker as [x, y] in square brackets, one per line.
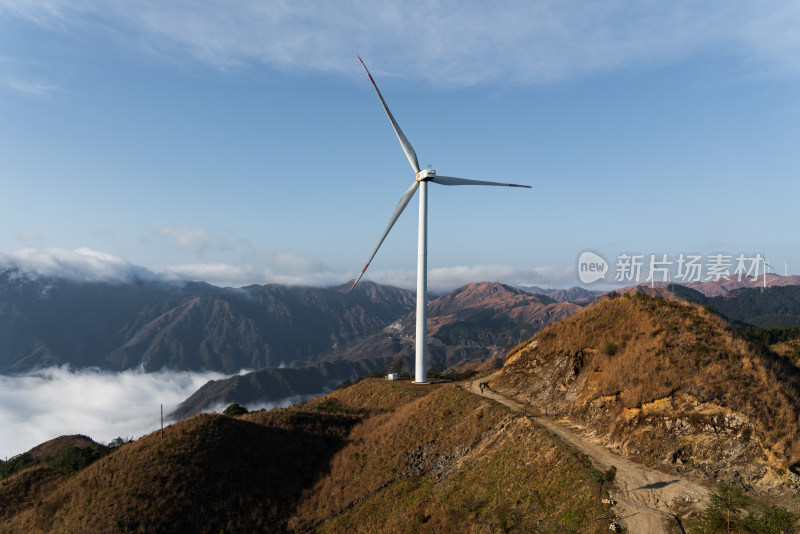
[81, 265]
[29, 88]
[291, 261]
[290, 268]
[86, 265]
[441, 41]
[195, 240]
[219, 274]
[774, 36]
[287, 268]
[53, 402]
[449, 278]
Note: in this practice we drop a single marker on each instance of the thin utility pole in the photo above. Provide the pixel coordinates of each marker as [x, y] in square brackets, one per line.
[162, 420]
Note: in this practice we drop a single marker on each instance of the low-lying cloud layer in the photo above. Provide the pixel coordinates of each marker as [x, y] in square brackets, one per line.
[54, 402]
[86, 265]
[80, 265]
[283, 268]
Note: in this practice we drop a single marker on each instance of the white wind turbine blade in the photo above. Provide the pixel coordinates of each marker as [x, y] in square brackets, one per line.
[407, 148]
[449, 180]
[404, 200]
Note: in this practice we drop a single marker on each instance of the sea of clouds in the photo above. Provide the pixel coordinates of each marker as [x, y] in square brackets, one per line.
[58, 401]
[53, 402]
[45, 404]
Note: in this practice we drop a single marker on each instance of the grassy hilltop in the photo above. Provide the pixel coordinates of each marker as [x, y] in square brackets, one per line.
[671, 384]
[415, 459]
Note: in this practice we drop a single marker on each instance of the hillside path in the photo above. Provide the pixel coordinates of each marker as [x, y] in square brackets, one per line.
[643, 494]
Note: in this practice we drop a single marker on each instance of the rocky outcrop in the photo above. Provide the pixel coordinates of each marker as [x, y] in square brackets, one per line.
[668, 384]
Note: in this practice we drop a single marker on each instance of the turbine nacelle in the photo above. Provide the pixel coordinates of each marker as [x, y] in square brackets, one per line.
[426, 175]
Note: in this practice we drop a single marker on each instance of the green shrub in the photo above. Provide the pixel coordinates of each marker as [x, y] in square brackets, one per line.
[235, 410]
[730, 510]
[75, 459]
[329, 405]
[18, 463]
[610, 349]
[119, 442]
[610, 475]
[346, 384]
[775, 521]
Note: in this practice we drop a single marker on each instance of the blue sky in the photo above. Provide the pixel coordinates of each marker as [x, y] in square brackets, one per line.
[241, 142]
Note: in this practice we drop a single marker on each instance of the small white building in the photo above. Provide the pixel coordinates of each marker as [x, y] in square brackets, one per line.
[392, 376]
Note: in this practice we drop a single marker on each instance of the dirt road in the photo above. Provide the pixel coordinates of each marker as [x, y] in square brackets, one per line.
[642, 494]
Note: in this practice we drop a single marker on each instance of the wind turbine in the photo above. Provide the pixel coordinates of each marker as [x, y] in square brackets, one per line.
[766, 264]
[423, 176]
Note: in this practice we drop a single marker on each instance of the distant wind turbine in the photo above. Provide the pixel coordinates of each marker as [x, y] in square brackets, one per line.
[766, 264]
[423, 176]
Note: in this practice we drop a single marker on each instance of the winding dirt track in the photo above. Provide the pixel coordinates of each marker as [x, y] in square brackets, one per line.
[642, 494]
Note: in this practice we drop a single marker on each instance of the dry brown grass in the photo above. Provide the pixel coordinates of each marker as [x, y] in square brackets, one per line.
[283, 470]
[634, 350]
[518, 479]
[26, 487]
[206, 473]
[56, 446]
[788, 349]
[377, 447]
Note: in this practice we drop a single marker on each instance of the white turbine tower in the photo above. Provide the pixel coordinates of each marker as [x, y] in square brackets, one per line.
[420, 182]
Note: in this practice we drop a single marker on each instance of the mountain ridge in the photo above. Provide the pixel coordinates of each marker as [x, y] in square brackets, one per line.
[277, 384]
[469, 327]
[670, 384]
[368, 458]
[475, 321]
[193, 326]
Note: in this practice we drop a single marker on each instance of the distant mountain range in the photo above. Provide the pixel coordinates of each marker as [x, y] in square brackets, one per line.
[578, 295]
[476, 322]
[721, 287]
[192, 326]
[302, 340]
[773, 307]
[742, 304]
[195, 326]
[715, 288]
[669, 385]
